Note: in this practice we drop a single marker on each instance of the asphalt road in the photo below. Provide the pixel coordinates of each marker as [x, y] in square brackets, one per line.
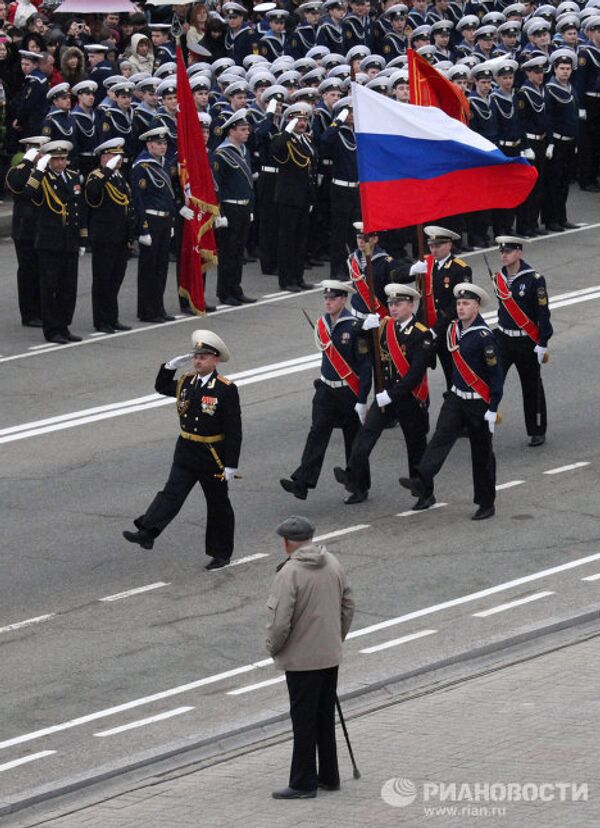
[86, 444]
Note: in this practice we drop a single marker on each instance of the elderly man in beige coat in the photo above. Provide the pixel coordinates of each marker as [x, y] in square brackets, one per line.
[311, 609]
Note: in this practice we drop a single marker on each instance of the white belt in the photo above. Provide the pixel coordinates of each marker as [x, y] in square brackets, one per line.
[269, 169]
[244, 202]
[466, 395]
[593, 94]
[344, 183]
[511, 331]
[535, 137]
[159, 213]
[509, 143]
[357, 313]
[333, 383]
[562, 137]
[327, 162]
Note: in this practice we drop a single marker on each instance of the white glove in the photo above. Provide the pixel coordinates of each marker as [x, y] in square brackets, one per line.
[221, 221]
[229, 474]
[145, 240]
[43, 163]
[383, 399]
[540, 353]
[549, 151]
[583, 114]
[187, 213]
[113, 162]
[320, 177]
[361, 410]
[370, 322]
[30, 154]
[433, 333]
[417, 268]
[178, 361]
[251, 217]
[529, 154]
[292, 125]
[172, 232]
[81, 251]
[272, 106]
[254, 176]
[342, 117]
[491, 417]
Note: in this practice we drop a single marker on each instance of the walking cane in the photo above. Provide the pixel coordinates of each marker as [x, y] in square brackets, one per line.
[355, 770]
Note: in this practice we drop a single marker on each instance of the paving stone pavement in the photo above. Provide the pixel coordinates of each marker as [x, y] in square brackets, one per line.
[534, 723]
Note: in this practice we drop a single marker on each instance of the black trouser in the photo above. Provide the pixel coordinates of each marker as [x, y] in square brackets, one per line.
[478, 224]
[589, 142]
[556, 183]
[504, 219]
[312, 710]
[291, 244]
[528, 213]
[331, 408]
[345, 209]
[445, 358]
[28, 280]
[109, 263]
[518, 351]
[414, 421]
[268, 223]
[153, 267]
[193, 463]
[231, 243]
[58, 290]
[455, 415]
[320, 221]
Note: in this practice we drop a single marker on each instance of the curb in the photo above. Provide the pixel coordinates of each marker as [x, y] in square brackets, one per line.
[253, 734]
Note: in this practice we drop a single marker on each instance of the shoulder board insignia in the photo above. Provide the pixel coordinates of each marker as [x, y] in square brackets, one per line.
[582, 61]
[538, 275]
[224, 380]
[521, 104]
[142, 184]
[407, 331]
[389, 259]
[218, 130]
[420, 327]
[461, 262]
[105, 126]
[484, 333]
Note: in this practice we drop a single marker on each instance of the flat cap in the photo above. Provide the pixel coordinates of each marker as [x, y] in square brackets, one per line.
[296, 528]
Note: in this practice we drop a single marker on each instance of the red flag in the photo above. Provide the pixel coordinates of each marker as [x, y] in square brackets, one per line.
[428, 87]
[198, 247]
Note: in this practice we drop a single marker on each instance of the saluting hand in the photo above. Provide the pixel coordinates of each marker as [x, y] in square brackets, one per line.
[178, 361]
[370, 322]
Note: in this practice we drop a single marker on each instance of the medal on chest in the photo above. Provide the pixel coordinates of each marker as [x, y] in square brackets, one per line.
[183, 402]
[345, 338]
[446, 281]
[521, 289]
[208, 404]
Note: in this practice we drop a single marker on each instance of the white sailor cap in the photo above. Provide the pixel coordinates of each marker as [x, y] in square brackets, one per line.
[199, 67]
[568, 20]
[205, 120]
[331, 4]
[421, 32]
[398, 293]
[221, 64]
[503, 65]
[333, 287]
[198, 49]
[298, 110]
[343, 103]
[443, 65]
[483, 71]
[200, 82]
[563, 55]
[167, 87]
[291, 78]
[310, 6]
[155, 134]
[372, 61]
[236, 119]
[57, 149]
[318, 52]
[515, 8]
[261, 8]
[442, 26]
[399, 76]
[136, 77]
[493, 18]
[27, 55]
[280, 15]
[123, 86]
[97, 48]
[330, 84]
[360, 51]
[593, 22]
[160, 27]
[567, 6]
[399, 61]
[469, 21]
[276, 91]
[307, 93]
[166, 69]
[234, 10]
[344, 70]
[148, 84]
[251, 60]
[467, 290]
[435, 233]
[486, 32]
[35, 140]
[85, 87]
[379, 84]
[58, 90]
[397, 10]
[208, 342]
[510, 242]
[113, 145]
[537, 63]
[305, 64]
[282, 64]
[537, 25]
[458, 71]
[313, 78]
[332, 59]
[510, 27]
[110, 81]
[545, 10]
[238, 87]
[426, 51]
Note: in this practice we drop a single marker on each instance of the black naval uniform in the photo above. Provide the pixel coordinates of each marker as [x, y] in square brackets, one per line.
[24, 221]
[463, 408]
[57, 241]
[333, 402]
[446, 275]
[587, 82]
[385, 269]
[30, 104]
[528, 289]
[509, 140]
[562, 108]
[416, 343]
[59, 125]
[111, 230]
[86, 139]
[264, 132]
[531, 110]
[211, 424]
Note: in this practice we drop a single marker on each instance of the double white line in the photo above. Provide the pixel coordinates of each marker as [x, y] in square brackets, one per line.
[248, 377]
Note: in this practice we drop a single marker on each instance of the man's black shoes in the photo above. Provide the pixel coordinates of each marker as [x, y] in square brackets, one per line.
[246, 300]
[217, 563]
[295, 488]
[537, 440]
[356, 497]
[324, 787]
[292, 793]
[57, 339]
[342, 476]
[484, 512]
[143, 538]
[414, 484]
[118, 326]
[231, 300]
[424, 502]
[71, 337]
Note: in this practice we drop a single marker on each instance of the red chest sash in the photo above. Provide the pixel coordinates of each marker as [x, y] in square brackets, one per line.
[337, 361]
[421, 391]
[429, 310]
[464, 369]
[516, 313]
[360, 283]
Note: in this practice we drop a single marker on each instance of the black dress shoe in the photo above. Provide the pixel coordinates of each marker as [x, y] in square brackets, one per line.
[143, 538]
[414, 484]
[246, 300]
[167, 317]
[293, 288]
[484, 512]
[424, 502]
[568, 225]
[118, 326]
[105, 329]
[57, 339]
[32, 323]
[356, 497]
[325, 787]
[217, 563]
[555, 228]
[590, 188]
[231, 300]
[305, 285]
[537, 440]
[249, 260]
[292, 793]
[342, 476]
[295, 488]
[209, 308]
[155, 320]
[539, 231]
[71, 337]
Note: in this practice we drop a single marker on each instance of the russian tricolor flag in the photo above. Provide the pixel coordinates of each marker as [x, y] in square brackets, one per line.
[417, 164]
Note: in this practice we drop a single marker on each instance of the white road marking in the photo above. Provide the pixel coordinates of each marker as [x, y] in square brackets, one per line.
[24, 759]
[98, 333]
[168, 714]
[278, 293]
[473, 596]
[135, 591]
[27, 623]
[248, 558]
[595, 577]
[248, 688]
[237, 671]
[420, 511]
[509, 485]
[396, 641]
[570, 467]
[339, 532]
[41, 347]
[518, 602]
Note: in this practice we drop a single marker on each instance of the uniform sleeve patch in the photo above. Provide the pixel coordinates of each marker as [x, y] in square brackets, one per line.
[142, 184]
[362, 346]
[489, 353]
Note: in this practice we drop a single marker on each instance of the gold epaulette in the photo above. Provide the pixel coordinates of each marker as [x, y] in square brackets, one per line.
[420, 327]
[33, 182]
[461, 262]
[224, 380]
